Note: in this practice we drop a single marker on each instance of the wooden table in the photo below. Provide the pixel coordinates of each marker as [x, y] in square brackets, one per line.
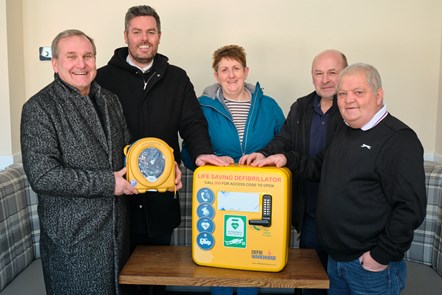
[173, 265]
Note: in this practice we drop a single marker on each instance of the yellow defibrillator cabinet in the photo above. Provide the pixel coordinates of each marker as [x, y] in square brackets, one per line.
[241, 217]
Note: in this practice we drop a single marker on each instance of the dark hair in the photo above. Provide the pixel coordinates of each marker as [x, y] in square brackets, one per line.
[69, 33]
[229, 51]
[141, 10]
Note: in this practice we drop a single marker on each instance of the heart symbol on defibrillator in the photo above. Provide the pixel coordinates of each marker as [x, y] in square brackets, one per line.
[205, 225]
[235, 225]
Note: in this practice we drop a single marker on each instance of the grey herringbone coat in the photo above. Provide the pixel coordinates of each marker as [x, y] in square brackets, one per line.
[69, 157]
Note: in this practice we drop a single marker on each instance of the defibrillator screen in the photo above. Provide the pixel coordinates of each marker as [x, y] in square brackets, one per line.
[238, 201]
[151, 163]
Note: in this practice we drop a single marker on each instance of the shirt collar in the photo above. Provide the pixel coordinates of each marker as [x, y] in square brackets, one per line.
[378, 117]
[316, 100]
[144, 69]
[317, 105]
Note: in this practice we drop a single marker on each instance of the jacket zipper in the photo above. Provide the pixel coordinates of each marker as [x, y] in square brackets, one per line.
[147, 82]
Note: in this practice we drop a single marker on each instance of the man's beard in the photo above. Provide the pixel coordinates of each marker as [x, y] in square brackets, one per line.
[143, 60]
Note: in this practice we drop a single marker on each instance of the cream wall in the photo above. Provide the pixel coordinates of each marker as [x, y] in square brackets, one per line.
[402, 38]
[11, 80]
[5, 113]
[438, 148]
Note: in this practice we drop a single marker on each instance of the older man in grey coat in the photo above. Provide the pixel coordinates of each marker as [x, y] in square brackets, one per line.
[72, 134]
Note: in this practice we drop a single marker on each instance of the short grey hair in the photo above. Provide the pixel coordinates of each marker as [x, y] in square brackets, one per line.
[141, 10]
[69, 33]
[371, 73]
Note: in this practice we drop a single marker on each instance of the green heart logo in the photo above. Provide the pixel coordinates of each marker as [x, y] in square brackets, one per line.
[235, 225]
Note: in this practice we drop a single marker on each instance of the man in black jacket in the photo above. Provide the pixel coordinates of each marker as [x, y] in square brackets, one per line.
[158, 100]
[308, 129]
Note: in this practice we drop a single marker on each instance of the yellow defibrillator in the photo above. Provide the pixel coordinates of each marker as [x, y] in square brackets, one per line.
[241, 217]
[150, 165]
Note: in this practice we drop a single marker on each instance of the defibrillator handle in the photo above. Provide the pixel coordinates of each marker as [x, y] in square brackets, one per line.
[266, 220]
[260, 222]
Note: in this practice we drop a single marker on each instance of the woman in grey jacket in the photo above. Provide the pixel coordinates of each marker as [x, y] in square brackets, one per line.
[72, 135]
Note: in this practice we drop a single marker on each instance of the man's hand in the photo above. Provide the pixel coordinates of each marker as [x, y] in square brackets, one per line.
[178, 183]
[202, 160]
[278, 160]
[251, 159]
[368, 263]
[122, 186]
[259, 160]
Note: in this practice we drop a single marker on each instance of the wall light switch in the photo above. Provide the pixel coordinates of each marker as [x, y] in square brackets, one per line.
[45, 53]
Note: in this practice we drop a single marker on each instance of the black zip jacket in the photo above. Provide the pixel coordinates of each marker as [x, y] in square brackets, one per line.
[159, 103]
[294, 142]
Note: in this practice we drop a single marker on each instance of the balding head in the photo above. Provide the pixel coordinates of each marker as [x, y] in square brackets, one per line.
[326, 68]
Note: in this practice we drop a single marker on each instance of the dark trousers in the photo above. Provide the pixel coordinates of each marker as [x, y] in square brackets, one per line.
[309, 240]
[139, 235]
